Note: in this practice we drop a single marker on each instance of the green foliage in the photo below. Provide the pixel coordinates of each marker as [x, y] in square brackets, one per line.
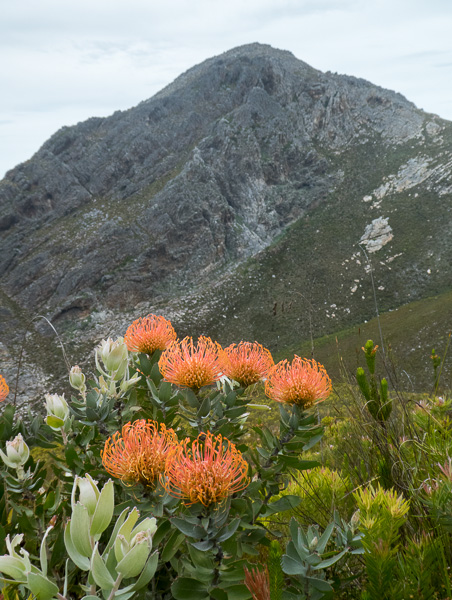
[57, 502]
[362, 510]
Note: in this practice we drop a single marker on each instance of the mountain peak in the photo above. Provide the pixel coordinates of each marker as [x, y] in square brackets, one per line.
[252, 177]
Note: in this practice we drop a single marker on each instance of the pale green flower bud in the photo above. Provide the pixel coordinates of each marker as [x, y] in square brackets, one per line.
[135, 548]
[114, 355]
[99, 505]
[57, 410]
[77, 378]
[313, 544]
[17, 453]
[88, 492]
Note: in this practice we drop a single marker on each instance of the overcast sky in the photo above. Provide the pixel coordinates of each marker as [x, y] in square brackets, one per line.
[65, 61]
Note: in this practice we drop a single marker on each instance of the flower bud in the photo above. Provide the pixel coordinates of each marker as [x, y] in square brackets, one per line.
[17, 453]
[313, 544]
[114, 355]
[99, 505]
[135, 547]
[77, 378]
[57, 410]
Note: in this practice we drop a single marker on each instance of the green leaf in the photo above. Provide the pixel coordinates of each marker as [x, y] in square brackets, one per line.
[205, 407]
[233, 413]
[99, 571]
[172, 545]
[320, 584]
[194, 531]
[330, 561]
[324, 538]
[13, 567]
[238, 592]
[148, 572]
[295, 463]
[290, 566]
[82, 562]
[162, 530]
[285, 503]
[135, 559]
[165, 391]
[313, 441]
[80, 530]
[41, 587]
[191, 398]
[104, 510]
[218, 594]
[54, 422]
[186, 588]
[145, 363]
[200, 558]
[229, 530]
[204, 546]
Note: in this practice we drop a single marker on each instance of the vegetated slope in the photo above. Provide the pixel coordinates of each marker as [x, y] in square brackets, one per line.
[234, 202]
[408, 335]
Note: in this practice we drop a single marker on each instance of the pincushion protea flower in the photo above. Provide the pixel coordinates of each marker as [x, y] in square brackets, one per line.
[246, 362]
[4, 389]
[258, 583]
[207, 470]
[191, 365]
[139, 452]
[149, 334]
[304, 382]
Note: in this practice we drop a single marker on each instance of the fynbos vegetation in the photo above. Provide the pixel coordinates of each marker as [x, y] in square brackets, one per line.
[159, 479]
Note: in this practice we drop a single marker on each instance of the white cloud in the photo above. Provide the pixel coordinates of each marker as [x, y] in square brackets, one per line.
[67, 61]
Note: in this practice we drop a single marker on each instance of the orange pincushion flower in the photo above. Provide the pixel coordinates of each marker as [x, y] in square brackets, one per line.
[207, 470]
[4, 389]
[139, 452]
[149, 334]
[191, 365]
[246, 362]
[304, 382]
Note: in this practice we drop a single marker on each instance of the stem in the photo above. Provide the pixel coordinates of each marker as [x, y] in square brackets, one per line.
[115, 587]
[218, 559]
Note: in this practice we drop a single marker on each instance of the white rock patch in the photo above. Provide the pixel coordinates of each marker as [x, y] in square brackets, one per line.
[377, 234]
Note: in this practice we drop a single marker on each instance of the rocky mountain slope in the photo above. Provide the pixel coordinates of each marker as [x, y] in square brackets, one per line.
[252, 198]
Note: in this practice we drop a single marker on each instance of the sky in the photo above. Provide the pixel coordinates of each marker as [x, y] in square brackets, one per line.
[64, 62]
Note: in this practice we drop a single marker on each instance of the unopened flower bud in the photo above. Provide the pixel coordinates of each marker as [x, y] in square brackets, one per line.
[57, 410]
[77, 378]
[313, 544]
[135, 548]
[114, 355]
[17, 453]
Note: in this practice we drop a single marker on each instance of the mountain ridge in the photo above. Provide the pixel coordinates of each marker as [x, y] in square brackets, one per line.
[218, 178]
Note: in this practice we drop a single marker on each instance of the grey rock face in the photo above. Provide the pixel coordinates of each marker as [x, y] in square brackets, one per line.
[168, 196]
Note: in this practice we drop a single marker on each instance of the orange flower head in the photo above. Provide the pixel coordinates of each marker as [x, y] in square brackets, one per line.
[149, 334]
[207, 470]
[4, 389]
[246, 362]
[191, 365]
[139, 453]
[304, 382]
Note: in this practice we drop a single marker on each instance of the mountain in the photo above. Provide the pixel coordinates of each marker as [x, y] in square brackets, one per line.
[253, 198]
